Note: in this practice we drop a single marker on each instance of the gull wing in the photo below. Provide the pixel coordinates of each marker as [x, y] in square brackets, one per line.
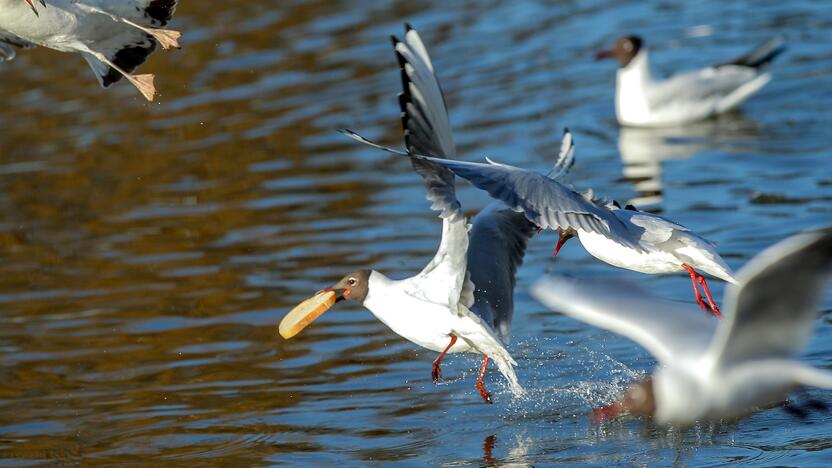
[668, 330]
[425, 123]
[717, 88]
[8, 43]
[545, 202]
[566, 156]
[427, 129]
[772, 311]
[499, 236]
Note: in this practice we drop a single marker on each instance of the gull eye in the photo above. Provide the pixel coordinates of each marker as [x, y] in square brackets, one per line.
[352, 281]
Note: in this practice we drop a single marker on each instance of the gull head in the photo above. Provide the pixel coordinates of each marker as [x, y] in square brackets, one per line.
[354, 286]
[624, 50]
[638, 400]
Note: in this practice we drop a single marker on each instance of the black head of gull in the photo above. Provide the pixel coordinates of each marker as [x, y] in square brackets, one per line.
[624, 50]
[638, 400]
[353, 286]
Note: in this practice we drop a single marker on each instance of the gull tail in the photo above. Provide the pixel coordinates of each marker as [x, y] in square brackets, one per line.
[762, 54]
[506, 366]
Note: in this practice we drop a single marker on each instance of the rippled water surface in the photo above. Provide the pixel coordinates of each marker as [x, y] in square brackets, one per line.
[149, 250]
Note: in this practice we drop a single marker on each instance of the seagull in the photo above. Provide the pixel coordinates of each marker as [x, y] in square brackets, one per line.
[622, 237]
[113, 36]
[712, 370]
[685, 97]
[462, 301]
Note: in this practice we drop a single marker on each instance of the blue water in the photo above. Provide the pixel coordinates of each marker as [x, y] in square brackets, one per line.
[149, 250]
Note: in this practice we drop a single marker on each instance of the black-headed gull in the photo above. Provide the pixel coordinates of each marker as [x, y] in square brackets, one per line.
[626, 238]
[462, 301]
[641, 100]
[714, 370]
[113, 36]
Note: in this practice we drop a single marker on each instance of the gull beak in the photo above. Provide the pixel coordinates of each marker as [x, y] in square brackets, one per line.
[307, 311]
[604, 54]
[607, 413]
[562, 238]
[32, 6]
[340, 294]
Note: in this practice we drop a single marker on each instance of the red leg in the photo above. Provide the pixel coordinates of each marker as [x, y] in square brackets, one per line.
[561, 240]
[437, 371]
[693, 278]
[714, 308]
[483, 392]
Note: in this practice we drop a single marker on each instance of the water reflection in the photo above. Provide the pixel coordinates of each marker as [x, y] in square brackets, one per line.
[644, 150]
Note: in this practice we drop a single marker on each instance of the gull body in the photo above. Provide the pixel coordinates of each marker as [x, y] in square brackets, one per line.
[642, 100]
[462, 301]
[113, 36]
[714, 370]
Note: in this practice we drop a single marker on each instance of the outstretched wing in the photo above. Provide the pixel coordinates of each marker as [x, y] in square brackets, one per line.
[772, 312]
[498, 243]
[545, 202]
[427, 129]
[668, 330]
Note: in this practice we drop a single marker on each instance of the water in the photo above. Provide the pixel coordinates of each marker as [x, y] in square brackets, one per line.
[149, 250]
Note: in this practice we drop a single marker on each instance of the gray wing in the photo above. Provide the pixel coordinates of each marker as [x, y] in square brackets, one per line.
[668, 330]
[699, 86]
[772, 312]
[497, 244]
[9, 42]
[545, 202]
[424, 114]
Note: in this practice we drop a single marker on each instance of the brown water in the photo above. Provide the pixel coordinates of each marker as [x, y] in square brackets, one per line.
[149, 250]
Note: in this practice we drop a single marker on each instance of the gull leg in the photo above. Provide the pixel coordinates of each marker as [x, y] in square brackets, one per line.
[437, 371]
[693, 277]
[480, 387]
[144, 83]
[168, 38]
[713, 306]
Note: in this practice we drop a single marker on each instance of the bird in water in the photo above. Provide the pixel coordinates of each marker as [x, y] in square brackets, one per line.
[712, 370]
[642, 100]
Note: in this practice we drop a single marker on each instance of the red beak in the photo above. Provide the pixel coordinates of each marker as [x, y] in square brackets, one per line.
[604, 54]
[606, 413]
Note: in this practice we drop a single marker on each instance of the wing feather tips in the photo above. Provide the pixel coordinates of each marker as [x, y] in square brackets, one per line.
[128, 58]
[161, 10]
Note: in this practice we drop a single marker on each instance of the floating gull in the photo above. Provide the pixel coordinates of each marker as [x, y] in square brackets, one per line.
[641, 100]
